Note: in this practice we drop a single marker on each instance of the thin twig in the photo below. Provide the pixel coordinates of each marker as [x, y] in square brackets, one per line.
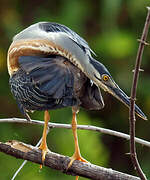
[84, 127]
[60, 162]
[133, 97]
[19, 169]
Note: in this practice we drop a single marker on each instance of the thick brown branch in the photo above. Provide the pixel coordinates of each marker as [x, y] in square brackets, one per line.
[60, 162]
[133, 97]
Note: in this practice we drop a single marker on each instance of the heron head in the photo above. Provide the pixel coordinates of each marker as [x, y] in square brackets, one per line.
[105, 81]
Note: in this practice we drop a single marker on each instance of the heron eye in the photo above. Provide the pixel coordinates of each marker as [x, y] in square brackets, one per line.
[105, 77]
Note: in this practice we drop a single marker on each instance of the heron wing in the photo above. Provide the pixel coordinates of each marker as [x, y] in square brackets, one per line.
[50, 74]
[92, 98]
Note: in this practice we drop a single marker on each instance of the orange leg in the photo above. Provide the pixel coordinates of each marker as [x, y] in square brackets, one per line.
[43, 145]
[76, 155]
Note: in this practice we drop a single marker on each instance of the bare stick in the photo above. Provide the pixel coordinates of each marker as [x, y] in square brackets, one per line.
[60, 162]
[84, 127]
[19, 169]
[133, 97]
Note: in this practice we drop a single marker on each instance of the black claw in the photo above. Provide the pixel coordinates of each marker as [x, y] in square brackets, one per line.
[23, 111]
[27, 117]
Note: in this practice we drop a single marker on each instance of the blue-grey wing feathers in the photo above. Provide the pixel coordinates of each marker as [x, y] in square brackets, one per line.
[50, 74]
[56, 78]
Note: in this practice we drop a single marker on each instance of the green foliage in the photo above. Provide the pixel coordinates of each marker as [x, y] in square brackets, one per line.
[111, 28]
[120, 45]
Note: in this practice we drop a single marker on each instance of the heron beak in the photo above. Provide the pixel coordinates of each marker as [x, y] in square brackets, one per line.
[121, 96]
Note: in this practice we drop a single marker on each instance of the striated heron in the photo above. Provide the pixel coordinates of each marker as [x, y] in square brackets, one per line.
[51, 67]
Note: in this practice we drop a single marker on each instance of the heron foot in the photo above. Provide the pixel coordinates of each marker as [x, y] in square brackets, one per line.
[78, 157]
[43, 147]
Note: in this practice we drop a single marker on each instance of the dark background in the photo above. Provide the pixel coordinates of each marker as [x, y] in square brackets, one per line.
[111, 28]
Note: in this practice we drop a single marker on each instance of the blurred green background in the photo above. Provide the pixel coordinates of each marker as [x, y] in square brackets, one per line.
[111, 28]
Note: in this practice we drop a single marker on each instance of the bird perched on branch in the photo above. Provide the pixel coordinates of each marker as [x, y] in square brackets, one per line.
[51, 67]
